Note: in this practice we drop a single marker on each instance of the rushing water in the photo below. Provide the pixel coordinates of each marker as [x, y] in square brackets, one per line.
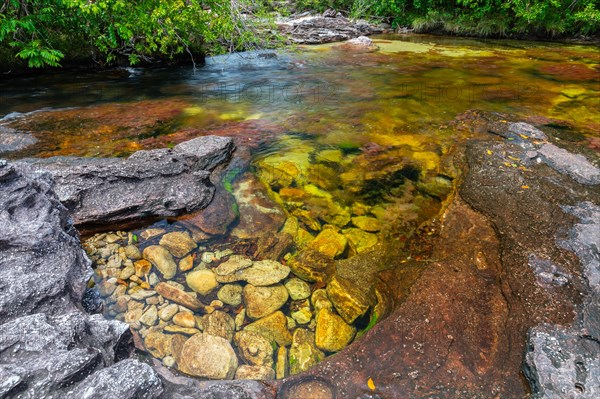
[348, 143]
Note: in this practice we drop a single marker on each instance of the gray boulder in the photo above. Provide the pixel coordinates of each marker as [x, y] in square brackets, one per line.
[324, 29]
[47, 344]
[560, 364]
[154, 183]
[575, 166]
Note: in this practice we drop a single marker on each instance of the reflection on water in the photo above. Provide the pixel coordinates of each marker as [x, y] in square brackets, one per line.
[346, 165]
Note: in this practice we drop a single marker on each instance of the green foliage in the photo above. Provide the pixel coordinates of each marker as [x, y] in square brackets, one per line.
[44, 31]
[477, 17]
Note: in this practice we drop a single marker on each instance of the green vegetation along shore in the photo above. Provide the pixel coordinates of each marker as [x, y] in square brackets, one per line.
[48, 33]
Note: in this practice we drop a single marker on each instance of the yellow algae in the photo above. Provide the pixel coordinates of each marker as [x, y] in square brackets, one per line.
[193, 111]
[463, 52]
[399, 46]
[573, 91]
[429, 160]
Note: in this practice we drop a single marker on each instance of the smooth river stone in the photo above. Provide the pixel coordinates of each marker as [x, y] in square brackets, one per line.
[303, 353]
[329, 243]
[262, 301]
[231, 294]
[185, 319]
[297, 288]
[254, 348]
[246, 372]
[264, 272]
[332, 334]
[202, 281]
[179, 296]
[208, 356]
[179, 243]
[273, 327]
[232, 265]
[162, 259]
[219, 324]
[349, 300]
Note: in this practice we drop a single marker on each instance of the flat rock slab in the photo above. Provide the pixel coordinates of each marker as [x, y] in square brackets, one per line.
[324, 29]
[155, 183]
[574, 165]
[14, 140]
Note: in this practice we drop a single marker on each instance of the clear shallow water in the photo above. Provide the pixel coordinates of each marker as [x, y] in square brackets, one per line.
[342, 141]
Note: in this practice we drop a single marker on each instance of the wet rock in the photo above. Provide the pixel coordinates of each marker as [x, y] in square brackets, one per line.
[219, 324]
[218, 216]
[186, 263]
[185, 319]
[167, 313]
[561, 364]
[142, 267]
[303, 315]
[366, 223]
[208, 356]
[360, 240]
[179, 296]
[254, 348]
[35, 231]
[318, 29]
[320, 300]
[132, 252]
[158, 344]
[140, 294]
[178, 243]
[574, 165]
[162, 260]
[259, 214]
[311, 265]
[232, 265]
[113, 190]
[151, 233]
[329, 243]
[53, 345]
[150, 316]
[332, 334]
[231, 294]
[261, 273]
[349, 300]
[246, 372]
[303, 354]
[273, 327]
[175, 329]
[202, 281]
[311, 388]
[297, 288]
[128, 379]
[527, 130]
[14, 140]
[262, 301]
[282, 365]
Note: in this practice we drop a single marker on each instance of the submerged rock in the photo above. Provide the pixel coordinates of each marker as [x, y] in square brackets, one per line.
[303, 353]
[178, 243]
[162, 259]
[262, 301]
[246, 372]
[332, 334]
[208, 356]
[202, 281]
[14, 140]
[254, 348]
[273, 327]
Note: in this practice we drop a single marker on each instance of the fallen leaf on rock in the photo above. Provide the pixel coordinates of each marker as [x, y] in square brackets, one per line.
[371, 384]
